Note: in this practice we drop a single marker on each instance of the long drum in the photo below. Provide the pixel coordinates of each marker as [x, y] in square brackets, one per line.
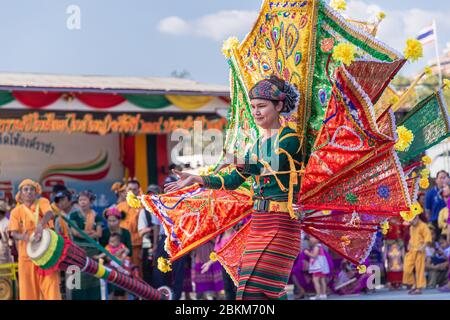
[54, 252]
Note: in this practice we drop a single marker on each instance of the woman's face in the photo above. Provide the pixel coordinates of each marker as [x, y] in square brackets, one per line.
[265, 112]
[84, 202]
[113, 222]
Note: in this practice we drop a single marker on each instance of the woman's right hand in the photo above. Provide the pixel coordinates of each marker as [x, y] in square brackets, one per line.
[186, 180]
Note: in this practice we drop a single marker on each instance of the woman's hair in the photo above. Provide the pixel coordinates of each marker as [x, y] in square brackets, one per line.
[88, 194]
[290, 90]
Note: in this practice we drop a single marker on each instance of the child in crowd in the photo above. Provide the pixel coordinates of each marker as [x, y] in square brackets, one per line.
[319, 268]
[414, 266]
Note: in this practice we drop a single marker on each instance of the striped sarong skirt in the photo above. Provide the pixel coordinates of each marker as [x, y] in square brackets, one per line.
[272, 246]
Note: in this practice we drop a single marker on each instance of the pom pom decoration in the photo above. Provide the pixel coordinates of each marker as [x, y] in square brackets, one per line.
[362, 269]
[415, 210]
[133, 201]
[447, 83]
[413, 50]
[393, 100]
[338, 5]
[164, 265]
[344, 53]
[424, 183]
[213, 256]
[405, 138]
[381, 15]
[425, 173]
[385, 228]
[228, 45]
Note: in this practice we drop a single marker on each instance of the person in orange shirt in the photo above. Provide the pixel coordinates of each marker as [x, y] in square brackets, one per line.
[414, 265]
[130, 222]
[32, 214]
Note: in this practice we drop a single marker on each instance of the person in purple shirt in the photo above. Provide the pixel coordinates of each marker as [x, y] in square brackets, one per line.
[434, 201]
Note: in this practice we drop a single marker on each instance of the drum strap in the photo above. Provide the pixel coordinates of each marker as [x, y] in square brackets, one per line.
[34, 216]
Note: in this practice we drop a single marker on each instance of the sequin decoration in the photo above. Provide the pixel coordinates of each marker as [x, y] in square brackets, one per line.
[383, 192]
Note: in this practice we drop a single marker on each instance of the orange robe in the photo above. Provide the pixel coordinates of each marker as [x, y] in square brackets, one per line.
[414, 266]
[131, 224]
[33, 286]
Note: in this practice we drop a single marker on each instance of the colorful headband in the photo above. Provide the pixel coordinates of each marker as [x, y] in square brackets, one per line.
[267, 91]
[113, 212]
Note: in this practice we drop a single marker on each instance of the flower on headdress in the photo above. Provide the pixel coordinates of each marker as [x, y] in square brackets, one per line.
[381, 15]
[213, 256]
[428, 71]
[362, 269]
[416, 208]
[405, 137]
[228, 45]
[164, 265]
[424, 183]
[344, 53]
[447, 83]
[133, 201]
[339, 5]
[383, 191]
[426, 160]
[326, 212]
[413, 50]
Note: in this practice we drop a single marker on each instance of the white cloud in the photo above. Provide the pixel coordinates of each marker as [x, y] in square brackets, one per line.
[401, 25]
[217, 26]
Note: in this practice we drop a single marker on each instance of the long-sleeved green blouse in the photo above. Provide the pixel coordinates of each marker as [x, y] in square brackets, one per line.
[274, 166]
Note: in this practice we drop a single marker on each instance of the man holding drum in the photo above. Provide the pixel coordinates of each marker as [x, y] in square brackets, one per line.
[32, 215]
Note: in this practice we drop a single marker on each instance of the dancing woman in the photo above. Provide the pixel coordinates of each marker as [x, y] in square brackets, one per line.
[274, 165]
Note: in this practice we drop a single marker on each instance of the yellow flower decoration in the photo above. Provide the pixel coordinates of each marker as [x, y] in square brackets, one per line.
[362, 269]
[405, 138]
[447, 83]
[426, 160]
[213, 256]
[428, 71]
[228, 45]
[393, 100]
[326, 212]
[133, 201]
[424, 183]
[381, 15]
[414, 175]
[413, 50]
[425, 173]
[338, 5]
[345, 53]
[385, 228]
[407, 215]
[415, 210]
[164, 265]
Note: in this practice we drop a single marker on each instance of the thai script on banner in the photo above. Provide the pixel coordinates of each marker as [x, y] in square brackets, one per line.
[130, 124]
[17, 140]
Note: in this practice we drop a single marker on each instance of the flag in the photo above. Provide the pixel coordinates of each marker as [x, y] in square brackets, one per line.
[427, 35]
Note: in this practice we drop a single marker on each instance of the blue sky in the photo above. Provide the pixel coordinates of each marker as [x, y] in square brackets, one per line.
[154, 38]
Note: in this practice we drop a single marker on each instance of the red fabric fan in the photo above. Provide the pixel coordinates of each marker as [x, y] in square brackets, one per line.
[194, 215]
[353, 166]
